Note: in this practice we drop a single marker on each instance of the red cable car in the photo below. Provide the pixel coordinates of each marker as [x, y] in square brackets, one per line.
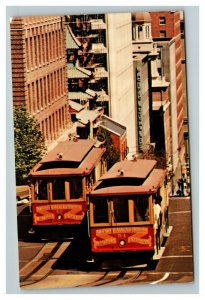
[128, 211]
[60, 181]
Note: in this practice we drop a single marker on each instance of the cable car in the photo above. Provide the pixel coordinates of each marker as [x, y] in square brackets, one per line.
[60, 181]
[128, 211]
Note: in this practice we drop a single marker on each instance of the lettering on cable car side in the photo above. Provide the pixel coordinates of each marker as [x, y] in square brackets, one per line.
[109, 236]
[139, 240]
[48, 212]
[45, 214]
[106, 239]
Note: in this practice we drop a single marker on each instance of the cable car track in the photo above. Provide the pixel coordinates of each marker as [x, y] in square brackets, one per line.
[114, 277]
[121, 277]
[41, 264]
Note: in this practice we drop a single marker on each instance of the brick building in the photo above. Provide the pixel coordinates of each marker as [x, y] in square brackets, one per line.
[38, 56]
[118, 134]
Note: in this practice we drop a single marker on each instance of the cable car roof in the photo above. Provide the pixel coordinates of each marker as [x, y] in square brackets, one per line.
[62, 167]
[73, 151]
[130, 169]
[149, 186]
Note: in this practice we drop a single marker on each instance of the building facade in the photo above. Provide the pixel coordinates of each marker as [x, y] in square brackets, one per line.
[38, 56]
[166, 25]
[106, 50]
[122, 101]
[152, 89]
[166, 66]
[118, 134]
[141, 78]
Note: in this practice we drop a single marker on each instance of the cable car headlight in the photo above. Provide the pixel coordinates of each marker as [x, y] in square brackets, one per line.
[59, 217]
[122, 243]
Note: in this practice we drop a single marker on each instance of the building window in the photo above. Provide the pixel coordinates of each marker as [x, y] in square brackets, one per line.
[37, 95]
[139, 31]
[28, 55]
[31, 52]
[162, 20]
[162, 33]
[43, 129]
[35, 52]
[134, 33]
[159, 71]
[147, 32]
[41, 95]
[46, 129]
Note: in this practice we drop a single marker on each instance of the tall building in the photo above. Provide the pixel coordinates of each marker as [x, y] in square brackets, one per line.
[38, 56]
[152, 90]
[106, 51]
[166, 67]
[166, 26]
[186, 133]
[122, 102]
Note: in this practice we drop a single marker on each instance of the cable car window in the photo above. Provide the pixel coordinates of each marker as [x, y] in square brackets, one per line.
[41, 192]
[141, 209]
[58, 188]
[100, 207]
[121, 210]
[76, 189]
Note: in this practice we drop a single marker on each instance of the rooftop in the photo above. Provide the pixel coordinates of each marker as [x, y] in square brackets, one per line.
[141, 17]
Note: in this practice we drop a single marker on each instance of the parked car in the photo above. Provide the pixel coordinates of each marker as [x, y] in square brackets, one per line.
[22, 194]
